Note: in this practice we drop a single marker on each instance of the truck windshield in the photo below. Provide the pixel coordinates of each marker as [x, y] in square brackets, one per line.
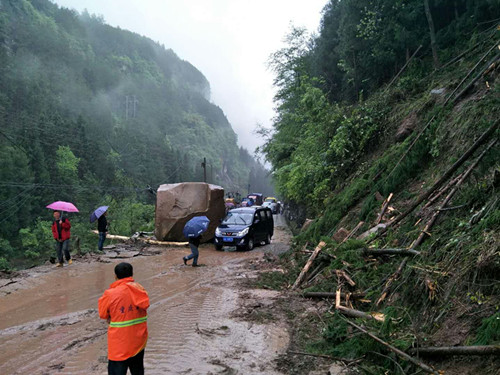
[237, 218]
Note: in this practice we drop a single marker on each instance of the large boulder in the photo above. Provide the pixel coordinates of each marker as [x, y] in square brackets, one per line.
[176, 204]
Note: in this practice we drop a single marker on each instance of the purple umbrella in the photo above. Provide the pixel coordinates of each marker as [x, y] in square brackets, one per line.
[98, 213]
[63, 206]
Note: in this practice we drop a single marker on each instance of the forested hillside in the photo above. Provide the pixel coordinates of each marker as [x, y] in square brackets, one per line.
[93, 114]
[388, 121]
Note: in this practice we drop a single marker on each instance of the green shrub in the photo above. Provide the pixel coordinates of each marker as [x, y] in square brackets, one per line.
[489, 332]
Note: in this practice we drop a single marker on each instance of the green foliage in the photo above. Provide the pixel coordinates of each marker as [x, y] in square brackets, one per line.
[37, 240]
[6, 249]
[127, 217]
[67, 165]
[4, 264]
[489, 332]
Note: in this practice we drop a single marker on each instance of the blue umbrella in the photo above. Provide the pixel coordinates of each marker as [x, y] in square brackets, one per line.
[98, 213]
[196, 226]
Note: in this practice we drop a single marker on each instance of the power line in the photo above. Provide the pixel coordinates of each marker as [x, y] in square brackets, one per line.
[59, 186]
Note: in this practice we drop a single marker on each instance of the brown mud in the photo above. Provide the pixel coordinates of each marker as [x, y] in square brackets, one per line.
[196, 321]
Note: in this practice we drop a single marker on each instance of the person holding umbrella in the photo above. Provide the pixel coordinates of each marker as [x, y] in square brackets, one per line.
[61, 231]
[102, 224]
[193, 230]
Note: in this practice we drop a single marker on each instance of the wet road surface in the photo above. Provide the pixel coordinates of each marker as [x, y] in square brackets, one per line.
[50, 323]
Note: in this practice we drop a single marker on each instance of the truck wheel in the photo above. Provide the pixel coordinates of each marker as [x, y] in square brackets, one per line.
[218, 247]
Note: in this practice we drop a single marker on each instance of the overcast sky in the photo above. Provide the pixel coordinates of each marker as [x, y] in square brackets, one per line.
[229, 41]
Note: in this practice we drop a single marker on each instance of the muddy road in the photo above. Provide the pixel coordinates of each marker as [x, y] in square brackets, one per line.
[50, 323]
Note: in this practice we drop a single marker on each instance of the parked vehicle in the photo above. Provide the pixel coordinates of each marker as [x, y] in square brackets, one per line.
[257, 198]
[244, 227]
[247, 202]
[271, 203]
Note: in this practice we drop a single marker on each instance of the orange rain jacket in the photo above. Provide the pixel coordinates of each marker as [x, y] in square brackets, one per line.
[125, 304]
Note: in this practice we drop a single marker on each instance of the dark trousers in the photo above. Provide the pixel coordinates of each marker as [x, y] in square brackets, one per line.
[135, 364]
[62, 247]
[102, 238]
[194, 254]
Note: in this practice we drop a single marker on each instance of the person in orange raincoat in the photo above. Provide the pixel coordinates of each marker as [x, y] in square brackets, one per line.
[125, 305]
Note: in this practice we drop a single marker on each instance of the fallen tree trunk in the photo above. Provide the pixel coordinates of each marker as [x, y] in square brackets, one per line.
[354, 295]
[430, 223]
[434, 198]
[308, 264]
[469, 73]
[377, 252]
[146, 240]
[403, 68]
[476, 78]
[483, 138]
[341, 359]
[457, 350]
[402, 354]
[455, 59]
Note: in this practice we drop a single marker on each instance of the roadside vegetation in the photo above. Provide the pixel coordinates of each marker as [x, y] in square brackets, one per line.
[357, 141]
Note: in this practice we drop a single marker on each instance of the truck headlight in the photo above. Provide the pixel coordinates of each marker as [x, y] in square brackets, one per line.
[243, 232]
[218, 232]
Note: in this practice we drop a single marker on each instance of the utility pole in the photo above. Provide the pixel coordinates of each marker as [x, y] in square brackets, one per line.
[204, 166]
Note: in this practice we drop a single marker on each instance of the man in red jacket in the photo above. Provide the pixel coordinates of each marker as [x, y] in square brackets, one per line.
[124, 305]
[61, 232]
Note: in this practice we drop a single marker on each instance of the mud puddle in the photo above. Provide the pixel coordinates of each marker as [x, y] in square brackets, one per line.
[50, 324]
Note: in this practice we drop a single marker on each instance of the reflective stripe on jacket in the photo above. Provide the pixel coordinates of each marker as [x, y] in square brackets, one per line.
[125, 304]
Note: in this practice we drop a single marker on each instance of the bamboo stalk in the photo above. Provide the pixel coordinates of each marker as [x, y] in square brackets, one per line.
[483, 138]
[403, 68]
[402, 354]
[469, 73]
[430, 223]
[377, 252]
[476, 78]
[458, 350]
[355, 295]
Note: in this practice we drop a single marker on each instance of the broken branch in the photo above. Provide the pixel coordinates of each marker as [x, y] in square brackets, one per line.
[308, 264]
[384, 208]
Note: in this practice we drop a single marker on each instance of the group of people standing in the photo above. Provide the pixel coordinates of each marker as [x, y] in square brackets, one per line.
[61, 231]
